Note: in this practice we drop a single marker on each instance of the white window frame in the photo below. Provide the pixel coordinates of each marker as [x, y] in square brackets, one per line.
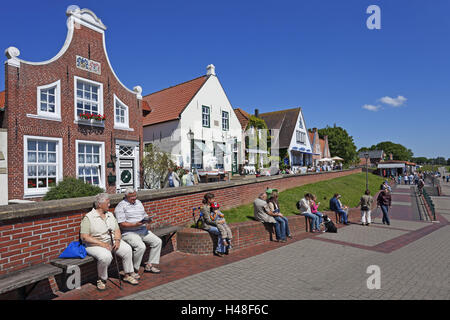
[102, 160]
[126, 124]
[38, 192]
[100, 95]
[45, 114]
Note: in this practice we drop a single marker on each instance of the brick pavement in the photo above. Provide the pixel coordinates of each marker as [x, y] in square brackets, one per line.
[413, 257]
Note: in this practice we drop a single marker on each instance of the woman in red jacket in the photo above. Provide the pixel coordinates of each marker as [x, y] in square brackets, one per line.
[384, 201]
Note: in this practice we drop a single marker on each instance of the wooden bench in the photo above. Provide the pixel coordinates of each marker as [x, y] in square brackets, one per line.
[18, 280]
[165, 232]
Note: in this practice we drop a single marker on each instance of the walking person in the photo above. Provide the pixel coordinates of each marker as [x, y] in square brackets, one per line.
[405, 178]
[172, 179]
[365, 202]
[384, 202]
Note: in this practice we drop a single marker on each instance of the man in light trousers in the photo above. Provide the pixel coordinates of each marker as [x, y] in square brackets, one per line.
[134, 224]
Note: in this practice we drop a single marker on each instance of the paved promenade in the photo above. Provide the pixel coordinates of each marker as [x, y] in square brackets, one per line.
[412, 256]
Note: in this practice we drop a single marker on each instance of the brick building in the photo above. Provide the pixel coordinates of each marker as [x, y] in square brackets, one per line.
[70, 116]
[319, 146]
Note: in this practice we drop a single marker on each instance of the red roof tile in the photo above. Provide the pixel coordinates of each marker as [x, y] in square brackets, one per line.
[242, 116]
[169, 103]
[145, 106]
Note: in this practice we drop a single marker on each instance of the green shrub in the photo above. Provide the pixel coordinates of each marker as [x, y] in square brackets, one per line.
[72, 188]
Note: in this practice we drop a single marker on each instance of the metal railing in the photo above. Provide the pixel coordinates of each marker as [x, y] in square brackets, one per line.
[429, 202]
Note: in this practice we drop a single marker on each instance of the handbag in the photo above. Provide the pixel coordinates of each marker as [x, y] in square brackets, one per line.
[75, 249]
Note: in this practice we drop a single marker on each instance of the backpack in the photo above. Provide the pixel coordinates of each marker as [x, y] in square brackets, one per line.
[298, 205]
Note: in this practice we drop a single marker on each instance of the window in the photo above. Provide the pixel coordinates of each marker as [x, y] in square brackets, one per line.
[300, 123]
[120, 114]
[90, 162]
[301, 137]
[219, 152]
[42, 165]
[89, 97]
[49, 100]
[197, 154]
[205, 116]
[225, 121]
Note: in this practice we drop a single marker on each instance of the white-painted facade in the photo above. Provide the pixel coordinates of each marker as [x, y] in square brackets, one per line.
[300, 150]
[176, 136]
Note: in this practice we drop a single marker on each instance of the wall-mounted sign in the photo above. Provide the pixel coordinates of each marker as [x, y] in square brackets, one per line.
[89, 65]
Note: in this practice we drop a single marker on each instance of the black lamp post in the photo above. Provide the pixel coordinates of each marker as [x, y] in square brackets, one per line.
[366, 155]
[191, 137]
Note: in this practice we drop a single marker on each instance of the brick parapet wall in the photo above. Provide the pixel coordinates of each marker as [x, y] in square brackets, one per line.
[37, 233]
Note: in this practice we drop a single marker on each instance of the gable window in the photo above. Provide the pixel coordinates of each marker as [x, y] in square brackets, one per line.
[42, 165]
[88, 97]
[300, 137]
[206, 117]
[300, 123]
[120, 114]
[90, 162]
[225, 121]
[49, 100]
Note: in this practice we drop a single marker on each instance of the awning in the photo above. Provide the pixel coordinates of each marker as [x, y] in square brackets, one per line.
[391, 165]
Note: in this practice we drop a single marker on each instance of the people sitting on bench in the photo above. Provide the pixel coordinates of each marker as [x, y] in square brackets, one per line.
[263, 213]
[134, 224]
[223, 227]
[336, 206]
[210, 225]
[95, 235]
[305, 210]
[315, 208]
[275, 208]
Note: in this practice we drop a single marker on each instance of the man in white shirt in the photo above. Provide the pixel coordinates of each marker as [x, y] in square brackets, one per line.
[134, 224]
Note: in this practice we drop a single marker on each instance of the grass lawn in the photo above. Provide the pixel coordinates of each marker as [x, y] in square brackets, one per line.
[350, 187]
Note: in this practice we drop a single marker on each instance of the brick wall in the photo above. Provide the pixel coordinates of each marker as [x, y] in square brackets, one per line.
[36, 233]
[21, 100]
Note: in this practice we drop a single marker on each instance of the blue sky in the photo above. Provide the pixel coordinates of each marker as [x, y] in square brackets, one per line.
[273, 55]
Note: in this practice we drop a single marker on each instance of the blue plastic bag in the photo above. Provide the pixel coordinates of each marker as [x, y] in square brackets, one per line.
[75, 250]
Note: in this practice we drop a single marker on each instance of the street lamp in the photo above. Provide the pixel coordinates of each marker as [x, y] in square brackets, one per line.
[366, 155]
[191, 137]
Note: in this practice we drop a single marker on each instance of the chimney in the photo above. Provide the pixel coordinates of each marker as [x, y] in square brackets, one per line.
[257, 113]
[210, 70]
[314, 129]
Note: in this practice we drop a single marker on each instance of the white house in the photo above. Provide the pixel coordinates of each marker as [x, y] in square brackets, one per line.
[195, 122]
[293, 137]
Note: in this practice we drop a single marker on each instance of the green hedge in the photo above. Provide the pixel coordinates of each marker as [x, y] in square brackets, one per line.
[72, 188]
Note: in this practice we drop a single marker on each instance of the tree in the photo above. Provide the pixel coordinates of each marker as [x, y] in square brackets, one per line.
[340, 143]
[398, 151]
[155, 165]
[419, 160]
